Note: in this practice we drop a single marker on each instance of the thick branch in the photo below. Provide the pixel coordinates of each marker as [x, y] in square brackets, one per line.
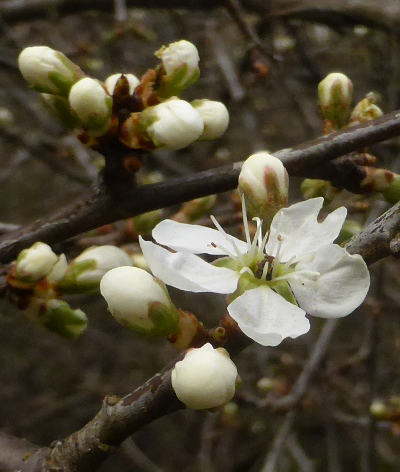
[101, 207]
[380, 238]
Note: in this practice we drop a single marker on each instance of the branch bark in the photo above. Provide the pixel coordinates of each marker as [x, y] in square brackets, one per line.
[102, 207]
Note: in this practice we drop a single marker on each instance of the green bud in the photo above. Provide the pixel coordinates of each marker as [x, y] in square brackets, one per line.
[366, 110]
[59, 106]
[335, 93]
[86, 271]
[180, 68]
[57, 316]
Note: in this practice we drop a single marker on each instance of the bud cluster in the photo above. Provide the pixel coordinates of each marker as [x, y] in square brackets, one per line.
[39, 277]
[144, 113]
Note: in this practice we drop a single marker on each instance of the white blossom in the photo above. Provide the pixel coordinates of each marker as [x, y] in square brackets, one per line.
[173, 124]
[215, 117]
[85, 271]
[275, 279]
[264, 182]
[48, 70]
[180, 61]
[205, 378]
[138, 301]
[35, 262]
[91, 103]
[112, 80]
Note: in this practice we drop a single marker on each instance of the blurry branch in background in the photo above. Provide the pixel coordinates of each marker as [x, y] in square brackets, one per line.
[103, 206]
[119, 418]
[333, 13]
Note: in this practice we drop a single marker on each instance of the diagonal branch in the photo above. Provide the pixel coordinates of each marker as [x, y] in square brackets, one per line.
[103, 207]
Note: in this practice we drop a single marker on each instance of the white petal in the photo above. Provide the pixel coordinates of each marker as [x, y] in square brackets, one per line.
[195, 238]
[300, 231]
[187, 271]
[341, 287]
[266, 317]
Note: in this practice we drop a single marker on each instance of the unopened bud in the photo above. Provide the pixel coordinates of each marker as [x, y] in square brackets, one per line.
[144, 223]
[378, 409]
[173, 124]
[264, 182]
[311, 188]
[139, 301]
[349, 229]
[335, 93]
[57, 316]
[112, 81]
[366, 110]
[215, 117]
[392, 191]
[35, 262]
[86, 271]
[194, 209]
[205, 378]
[47, 70]
[265, 384]
[180, 62]
[59, 106]
[92, 104]
[59, 269]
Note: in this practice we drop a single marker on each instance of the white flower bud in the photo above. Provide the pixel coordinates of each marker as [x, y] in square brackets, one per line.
[335, 94]
[215, 117]
[205, 378]
[173, 124]
[48, 70]
[35, 263]
[91, 103]
[180, 62]
[264, 182]
[59, 269]
[86, 271]
[57, 316]
[112, 80]
[139, 301]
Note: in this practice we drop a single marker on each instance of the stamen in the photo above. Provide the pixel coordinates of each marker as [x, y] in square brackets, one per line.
[276, 260]
[265, 271]
[246, 269]
[264, 243]
[226, 251]
[227, 237]
[245, 222]
[256, 239]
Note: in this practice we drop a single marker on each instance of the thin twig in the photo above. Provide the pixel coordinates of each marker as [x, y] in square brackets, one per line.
[279, 442]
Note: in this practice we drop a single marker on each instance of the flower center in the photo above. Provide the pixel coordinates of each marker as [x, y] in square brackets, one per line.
[255, 261]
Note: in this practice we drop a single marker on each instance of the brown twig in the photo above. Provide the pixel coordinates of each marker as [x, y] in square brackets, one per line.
[102, 207]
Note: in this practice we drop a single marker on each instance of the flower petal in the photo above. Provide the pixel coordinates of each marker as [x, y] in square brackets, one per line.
[299, 230]
[266, 317]
[195, 239]
[187, 271]
[341, 287]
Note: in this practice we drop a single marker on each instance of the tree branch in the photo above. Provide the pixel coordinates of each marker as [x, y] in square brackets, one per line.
[102, 207]
[118, 418]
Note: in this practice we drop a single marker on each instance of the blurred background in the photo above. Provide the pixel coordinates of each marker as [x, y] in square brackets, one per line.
[51, 387]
